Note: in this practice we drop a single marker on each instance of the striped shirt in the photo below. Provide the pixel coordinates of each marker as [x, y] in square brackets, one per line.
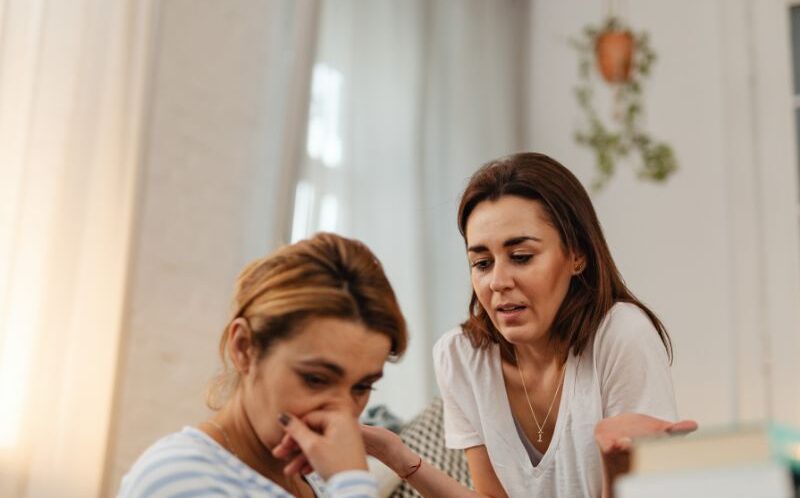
[189, 464]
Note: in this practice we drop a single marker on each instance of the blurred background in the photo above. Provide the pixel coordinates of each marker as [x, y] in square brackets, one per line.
[150, 148]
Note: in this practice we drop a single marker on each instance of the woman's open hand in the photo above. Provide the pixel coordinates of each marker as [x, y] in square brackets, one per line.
[615, 434]
[614, 437]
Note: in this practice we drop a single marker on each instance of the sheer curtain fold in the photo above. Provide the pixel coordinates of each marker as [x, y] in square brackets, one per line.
[422, 93]
[71, 80]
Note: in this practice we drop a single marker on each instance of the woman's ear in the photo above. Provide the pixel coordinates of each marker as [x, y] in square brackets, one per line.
[240, 345]
[578, 263]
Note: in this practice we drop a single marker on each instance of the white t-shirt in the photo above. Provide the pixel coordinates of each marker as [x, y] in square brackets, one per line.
[625, 369]
[191, 464]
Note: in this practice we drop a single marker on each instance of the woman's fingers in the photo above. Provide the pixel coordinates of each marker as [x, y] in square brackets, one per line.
[682, 427]
[621, 445]
[285, 448]
[375, 439]
[298, 432]
[389, 448]
[288, 449]
[297, 465]
[328, 440]
[319, 420]
[315, 421]
[614, 434]
[299, 438]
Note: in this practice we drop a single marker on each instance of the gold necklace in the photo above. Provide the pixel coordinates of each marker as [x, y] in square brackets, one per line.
[539, 426]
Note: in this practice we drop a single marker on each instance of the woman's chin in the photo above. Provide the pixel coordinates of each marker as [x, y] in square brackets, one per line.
[519, 334]
[515, 334]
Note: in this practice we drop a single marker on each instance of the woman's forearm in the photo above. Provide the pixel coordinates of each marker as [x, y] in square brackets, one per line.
[431, 482]
[425, 478]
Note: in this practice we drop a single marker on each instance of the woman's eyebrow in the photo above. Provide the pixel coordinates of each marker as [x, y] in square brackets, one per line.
[519, 240]
[338, 370]
[327, 365]
[372, 377]
[508, 243]
[478, 248]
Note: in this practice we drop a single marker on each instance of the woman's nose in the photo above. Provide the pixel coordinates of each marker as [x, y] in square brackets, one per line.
[343, 401]
[501, 278]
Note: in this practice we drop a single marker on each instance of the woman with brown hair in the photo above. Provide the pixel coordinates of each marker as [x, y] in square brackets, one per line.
[554, 343]
[313, 325]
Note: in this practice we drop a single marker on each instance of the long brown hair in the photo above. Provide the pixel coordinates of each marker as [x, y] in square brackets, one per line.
[326, 276]
[594, 291]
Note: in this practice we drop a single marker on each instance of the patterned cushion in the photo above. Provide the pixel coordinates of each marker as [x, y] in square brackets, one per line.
[425, 435]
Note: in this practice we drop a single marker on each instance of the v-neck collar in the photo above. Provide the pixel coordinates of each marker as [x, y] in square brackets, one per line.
[512, 438]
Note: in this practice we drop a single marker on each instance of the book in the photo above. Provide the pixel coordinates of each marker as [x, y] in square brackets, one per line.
[751, 461]
[702, 450]
[766, 480]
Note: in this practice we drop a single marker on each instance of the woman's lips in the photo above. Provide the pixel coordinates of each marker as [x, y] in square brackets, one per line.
[509, 314]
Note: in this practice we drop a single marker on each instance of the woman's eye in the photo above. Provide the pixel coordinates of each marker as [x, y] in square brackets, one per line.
[521, 258]
[480, 264]
[362, 389]
[313, 380]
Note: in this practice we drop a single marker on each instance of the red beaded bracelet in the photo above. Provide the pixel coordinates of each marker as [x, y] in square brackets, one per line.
[414, 468]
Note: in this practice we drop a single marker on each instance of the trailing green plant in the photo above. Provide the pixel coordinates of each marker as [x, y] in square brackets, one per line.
[615, 141]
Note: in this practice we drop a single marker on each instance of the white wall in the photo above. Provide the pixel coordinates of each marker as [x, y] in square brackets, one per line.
[211, 200]
[702, 248]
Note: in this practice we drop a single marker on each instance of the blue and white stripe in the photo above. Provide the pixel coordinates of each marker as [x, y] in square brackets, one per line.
[190, 464]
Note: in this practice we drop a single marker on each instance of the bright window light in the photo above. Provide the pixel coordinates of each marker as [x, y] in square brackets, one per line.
[324, 142]
[303, 204]
[14, 363]
[328, 213]
[18, 326]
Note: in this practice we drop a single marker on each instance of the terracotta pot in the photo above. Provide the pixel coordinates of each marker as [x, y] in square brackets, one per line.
[614, 52]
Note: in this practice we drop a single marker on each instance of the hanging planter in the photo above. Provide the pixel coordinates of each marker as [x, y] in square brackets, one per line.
[614, 53]
[624, 61]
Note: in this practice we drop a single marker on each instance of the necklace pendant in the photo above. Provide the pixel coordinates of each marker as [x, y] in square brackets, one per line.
[540, 437]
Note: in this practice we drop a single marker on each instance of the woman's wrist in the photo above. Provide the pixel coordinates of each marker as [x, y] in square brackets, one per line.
[405, 462]
[412, 470]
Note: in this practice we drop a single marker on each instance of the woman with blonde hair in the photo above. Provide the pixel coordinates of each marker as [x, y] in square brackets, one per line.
[312, 326]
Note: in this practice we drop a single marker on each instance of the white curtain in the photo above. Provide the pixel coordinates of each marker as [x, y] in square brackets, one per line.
[70, 89]
[408, 99]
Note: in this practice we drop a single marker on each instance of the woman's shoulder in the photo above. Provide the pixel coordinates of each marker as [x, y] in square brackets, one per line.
[175, 450]
[187, 441]
[450, 338]
[625, 318]
[162, 465]
[454, 356]
[626, 324]
[454, 343]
